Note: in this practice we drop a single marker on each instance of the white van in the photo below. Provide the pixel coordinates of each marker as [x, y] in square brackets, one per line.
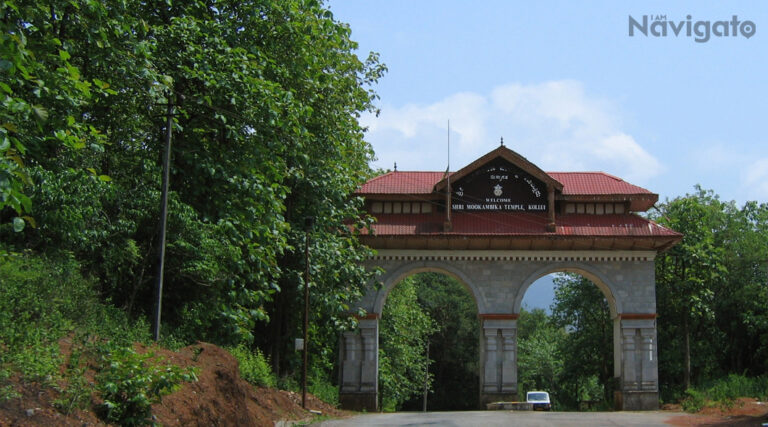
[539, 399]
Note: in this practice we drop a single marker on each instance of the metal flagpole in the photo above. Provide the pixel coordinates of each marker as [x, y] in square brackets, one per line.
[448, 177]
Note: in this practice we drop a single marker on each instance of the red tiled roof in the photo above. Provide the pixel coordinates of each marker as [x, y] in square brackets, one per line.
[402, 183]
[519, 224]
[594, 183]
[574, 183]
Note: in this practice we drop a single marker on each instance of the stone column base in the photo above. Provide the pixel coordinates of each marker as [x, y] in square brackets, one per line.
[368, 402]
[636, 400]
[486, 398]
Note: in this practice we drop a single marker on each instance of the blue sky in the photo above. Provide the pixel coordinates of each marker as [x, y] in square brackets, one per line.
[568, 88]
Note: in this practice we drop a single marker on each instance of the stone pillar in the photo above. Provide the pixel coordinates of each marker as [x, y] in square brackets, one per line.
[491, 371]
[639, 382]
[359, 374]
[509, 360]
[498, 359]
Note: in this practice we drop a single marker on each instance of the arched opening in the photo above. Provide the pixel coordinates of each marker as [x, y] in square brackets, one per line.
[540, 294]
[429, 332]
[568, 347]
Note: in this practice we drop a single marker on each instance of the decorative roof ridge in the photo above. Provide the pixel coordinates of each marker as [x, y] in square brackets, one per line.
[512, 157]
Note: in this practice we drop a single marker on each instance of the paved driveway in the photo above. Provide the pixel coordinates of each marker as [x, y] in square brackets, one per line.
[507, 418]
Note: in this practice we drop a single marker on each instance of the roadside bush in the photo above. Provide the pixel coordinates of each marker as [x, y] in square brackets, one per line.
[39, 297]
[7, 391]
[254, 366]
[43, 298]
[322, 388]
[735, 386]
[694, 401]
[724, 391]
[130, 383]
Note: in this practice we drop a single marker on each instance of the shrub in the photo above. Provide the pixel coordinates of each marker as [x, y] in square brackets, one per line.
[7, 391]
[76, 392]
[37, 299]
[254, 366]
[735, 386]
[130, 383]
[321, 387]
[43, 298]
[724, 391]
[694, 400]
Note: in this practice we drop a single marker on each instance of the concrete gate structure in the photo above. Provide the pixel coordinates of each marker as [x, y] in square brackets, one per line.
[497, 226]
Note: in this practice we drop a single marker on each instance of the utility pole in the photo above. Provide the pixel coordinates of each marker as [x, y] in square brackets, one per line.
[309, 222]
[163, 219]
[426, 381]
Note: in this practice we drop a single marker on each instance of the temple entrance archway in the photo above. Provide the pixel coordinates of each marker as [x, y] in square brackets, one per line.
[497, 225]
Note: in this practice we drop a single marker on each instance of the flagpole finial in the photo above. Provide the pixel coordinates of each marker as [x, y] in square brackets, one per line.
[502, 141]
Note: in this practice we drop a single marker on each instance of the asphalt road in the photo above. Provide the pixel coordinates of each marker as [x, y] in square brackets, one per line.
[507, 418]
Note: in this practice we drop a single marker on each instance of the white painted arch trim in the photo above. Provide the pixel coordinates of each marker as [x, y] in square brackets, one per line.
[501, 255]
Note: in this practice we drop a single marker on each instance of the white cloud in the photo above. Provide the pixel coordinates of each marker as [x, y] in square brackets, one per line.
[756, 176]
[554, 124]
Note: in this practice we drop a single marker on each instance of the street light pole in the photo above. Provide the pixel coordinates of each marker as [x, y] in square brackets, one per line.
[308, 223]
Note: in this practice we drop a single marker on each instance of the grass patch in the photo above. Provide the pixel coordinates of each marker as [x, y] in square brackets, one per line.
[723, 392]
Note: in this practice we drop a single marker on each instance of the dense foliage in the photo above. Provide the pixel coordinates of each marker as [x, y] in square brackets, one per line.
[570, 352]
[454, 346]
[265, 97]
[712, 288]
[539, 358]
[435, 311]
[403, 339]
[581, 309]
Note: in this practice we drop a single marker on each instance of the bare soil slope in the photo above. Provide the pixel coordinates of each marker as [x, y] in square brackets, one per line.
[219, 398]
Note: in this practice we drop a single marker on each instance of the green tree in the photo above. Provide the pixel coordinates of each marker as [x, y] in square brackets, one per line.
[741, 303]
[42, 92]
[581, 309]
[265, 97]
[686, 278]
[453, 347]
[540, 361]
[403, 338]
[712, 287]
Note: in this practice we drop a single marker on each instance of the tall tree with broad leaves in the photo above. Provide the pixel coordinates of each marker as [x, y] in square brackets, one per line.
[453, 347]
[265, 98]
[403, 337]
[581, 309]
[540, 360]
[711, 288]
[686, 278]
